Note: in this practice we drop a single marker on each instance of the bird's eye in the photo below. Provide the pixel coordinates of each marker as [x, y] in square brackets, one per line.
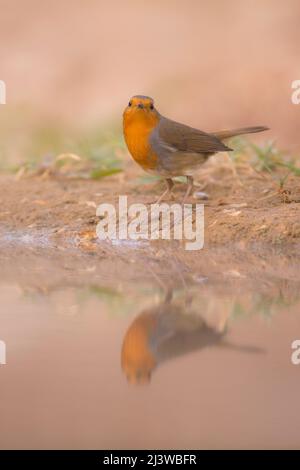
[129, 104]
[151, 106]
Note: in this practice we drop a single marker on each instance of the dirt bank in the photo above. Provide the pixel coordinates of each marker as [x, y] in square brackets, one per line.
[244, 211]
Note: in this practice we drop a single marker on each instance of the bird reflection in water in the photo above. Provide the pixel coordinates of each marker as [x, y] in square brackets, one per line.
[169, 330]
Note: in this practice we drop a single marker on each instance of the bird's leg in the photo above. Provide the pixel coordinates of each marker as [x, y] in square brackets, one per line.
[190, 185]
[170, 185]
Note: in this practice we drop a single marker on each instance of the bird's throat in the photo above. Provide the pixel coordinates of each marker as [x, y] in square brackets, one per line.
[137, 130]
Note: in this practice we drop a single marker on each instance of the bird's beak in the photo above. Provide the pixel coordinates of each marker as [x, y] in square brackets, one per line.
[140, 106]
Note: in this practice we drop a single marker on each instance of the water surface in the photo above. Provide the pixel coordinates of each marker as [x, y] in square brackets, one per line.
[124, 351]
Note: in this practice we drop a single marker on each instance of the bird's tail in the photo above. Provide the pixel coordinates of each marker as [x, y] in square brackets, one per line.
[222, 135]
[242, 348]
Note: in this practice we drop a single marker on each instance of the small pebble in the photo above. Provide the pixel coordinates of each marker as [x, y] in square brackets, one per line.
[200, 195]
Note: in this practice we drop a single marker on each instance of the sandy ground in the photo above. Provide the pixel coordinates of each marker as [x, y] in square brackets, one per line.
[243, 209]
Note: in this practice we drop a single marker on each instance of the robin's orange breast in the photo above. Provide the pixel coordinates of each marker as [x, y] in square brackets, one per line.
[137, 359]
[137, 131]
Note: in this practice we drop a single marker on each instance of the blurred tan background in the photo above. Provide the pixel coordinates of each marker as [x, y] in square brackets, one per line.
[212, 64]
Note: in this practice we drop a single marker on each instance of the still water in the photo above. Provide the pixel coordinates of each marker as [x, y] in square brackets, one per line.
[127, 350]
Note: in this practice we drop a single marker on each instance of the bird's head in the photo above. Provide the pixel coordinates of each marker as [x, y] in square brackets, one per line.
[137, 363]
[141, 108]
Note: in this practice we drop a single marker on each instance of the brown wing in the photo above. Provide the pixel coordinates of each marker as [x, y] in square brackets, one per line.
[186, 139]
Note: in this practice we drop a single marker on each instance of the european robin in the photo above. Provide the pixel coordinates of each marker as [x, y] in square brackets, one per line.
[167, 148]
[170, 330]
[159, 334]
